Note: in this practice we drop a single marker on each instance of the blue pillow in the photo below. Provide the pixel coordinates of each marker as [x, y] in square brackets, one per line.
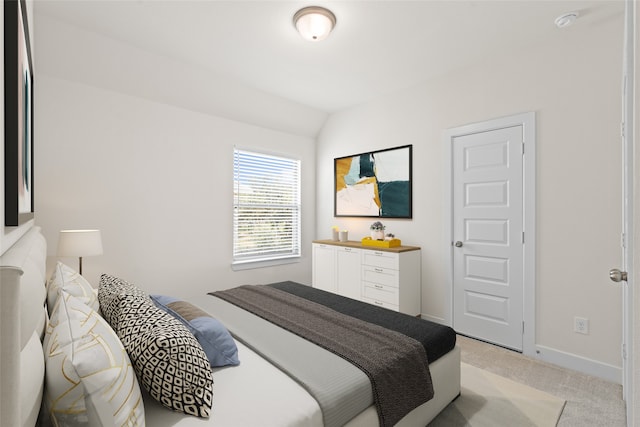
[216, 341]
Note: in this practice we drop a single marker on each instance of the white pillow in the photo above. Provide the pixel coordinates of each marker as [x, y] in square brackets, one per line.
[65, 277]
[89, 379]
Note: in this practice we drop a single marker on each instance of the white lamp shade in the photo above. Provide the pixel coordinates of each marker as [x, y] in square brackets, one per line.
[314, 23]
[80, 243]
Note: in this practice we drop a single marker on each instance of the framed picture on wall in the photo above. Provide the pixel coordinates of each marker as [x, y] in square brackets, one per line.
[18, 108]
[374, 184]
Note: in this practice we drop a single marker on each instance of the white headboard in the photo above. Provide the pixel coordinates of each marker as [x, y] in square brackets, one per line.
[22, 323]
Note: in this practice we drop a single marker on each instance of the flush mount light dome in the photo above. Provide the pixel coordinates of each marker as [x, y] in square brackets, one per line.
[566, 19]
[314, 22]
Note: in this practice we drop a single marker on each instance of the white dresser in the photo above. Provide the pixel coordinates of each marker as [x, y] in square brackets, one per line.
[388, 277]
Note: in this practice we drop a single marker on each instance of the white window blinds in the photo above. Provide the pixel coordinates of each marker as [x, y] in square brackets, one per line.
[266, 207]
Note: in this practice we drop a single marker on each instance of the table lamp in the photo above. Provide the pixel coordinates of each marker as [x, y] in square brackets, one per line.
[79, 243]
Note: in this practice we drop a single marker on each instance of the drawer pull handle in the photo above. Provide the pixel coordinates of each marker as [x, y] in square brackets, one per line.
[379, 270]
[378, 303]
[379, 286]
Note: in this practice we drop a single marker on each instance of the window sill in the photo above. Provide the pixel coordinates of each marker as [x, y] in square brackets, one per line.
[249, 265]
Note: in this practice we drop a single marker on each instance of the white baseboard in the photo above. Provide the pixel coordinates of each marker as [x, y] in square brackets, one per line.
[579, 363]
[434, 319]
[563, 359]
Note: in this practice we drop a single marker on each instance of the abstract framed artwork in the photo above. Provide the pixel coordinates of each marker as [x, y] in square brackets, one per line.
[374, 184]
[18, 116]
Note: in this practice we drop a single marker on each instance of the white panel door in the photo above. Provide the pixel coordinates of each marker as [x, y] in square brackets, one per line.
[488, 281]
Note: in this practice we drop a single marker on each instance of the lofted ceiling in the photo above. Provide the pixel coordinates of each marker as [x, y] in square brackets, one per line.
[377, 47]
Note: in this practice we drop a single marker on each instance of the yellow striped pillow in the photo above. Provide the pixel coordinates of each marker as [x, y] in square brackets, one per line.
[66, 278]
[89, 379]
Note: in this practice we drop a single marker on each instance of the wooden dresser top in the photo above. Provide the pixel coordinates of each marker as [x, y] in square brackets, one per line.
[358, 245]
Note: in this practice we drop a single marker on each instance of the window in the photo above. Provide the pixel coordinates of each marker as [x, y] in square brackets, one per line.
[266, 207]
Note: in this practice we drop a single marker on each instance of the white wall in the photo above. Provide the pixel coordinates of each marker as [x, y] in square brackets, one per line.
[573, 85]
[158, 181]
[141, 147]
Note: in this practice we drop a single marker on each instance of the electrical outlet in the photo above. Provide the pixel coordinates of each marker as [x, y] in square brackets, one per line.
[581, 325]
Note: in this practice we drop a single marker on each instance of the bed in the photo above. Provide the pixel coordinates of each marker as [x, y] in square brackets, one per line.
[258, 391]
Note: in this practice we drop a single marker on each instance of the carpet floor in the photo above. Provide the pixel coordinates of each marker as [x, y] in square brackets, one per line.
[489, 400]
[590, 401]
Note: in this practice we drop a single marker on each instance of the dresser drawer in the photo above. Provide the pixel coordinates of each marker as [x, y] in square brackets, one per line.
[389, 278]
[381, 304]
[382, 293]
[382, 276]
[381, 259]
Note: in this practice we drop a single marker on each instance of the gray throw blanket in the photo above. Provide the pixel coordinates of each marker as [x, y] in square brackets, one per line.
[395, 364]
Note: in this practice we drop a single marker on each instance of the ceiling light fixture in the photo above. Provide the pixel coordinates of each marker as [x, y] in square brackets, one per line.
[566, 19]
[314, 22]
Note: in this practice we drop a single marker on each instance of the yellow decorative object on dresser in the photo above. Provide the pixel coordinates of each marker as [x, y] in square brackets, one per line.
[368, 241]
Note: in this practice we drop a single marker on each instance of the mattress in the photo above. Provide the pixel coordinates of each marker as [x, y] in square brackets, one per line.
[259, 393]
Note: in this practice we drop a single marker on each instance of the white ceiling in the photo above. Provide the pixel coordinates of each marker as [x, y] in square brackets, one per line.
[377, 47]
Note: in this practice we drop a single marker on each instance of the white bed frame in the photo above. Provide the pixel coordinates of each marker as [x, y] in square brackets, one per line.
[22, 323]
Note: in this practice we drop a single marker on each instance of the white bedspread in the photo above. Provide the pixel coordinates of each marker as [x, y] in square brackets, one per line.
[256, 393]
[253, 394]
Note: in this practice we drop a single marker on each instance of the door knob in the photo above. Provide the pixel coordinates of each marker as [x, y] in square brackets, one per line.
[617, 275]
[458, 244]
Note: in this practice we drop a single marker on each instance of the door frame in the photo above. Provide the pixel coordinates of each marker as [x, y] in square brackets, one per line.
[528, 123]
[629, 145]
